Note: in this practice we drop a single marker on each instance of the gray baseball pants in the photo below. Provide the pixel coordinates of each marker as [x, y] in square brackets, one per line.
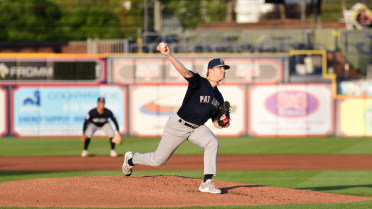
[107, 128]
[174, 134]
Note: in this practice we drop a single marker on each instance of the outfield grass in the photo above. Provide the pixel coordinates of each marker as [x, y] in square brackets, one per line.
[10, 146]
[349, 182]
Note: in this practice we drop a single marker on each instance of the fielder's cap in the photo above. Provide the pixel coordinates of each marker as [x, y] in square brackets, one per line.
[101, 99]
[217, 62]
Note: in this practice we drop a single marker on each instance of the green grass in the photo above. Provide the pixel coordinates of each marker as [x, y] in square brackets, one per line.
[349, 182]
[11, 146]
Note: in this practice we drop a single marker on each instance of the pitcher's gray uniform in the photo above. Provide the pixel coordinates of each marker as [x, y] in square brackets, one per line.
[200, 104]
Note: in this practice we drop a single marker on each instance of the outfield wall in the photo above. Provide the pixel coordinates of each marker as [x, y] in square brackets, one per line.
[290, 110]
[45, 111]
[158, 70]
[271, 95]
[354, 117]
[3, 112]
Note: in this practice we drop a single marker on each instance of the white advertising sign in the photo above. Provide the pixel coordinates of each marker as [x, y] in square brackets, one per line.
[152, 105]
[290, 110]
[3, 113]
[159, 70]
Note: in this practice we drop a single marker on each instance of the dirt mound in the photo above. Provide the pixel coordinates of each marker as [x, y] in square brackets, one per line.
[150, 191]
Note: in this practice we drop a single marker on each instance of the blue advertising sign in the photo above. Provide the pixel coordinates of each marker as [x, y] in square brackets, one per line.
[61, 111]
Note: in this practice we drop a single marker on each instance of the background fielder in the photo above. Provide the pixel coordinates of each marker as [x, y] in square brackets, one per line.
[200, 103]
[97, 119]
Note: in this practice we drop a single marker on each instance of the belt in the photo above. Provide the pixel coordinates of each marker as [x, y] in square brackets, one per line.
[188, 124]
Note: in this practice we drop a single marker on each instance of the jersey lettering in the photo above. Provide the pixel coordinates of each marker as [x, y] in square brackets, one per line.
[205, 99]
[200, 102]
[215, 102]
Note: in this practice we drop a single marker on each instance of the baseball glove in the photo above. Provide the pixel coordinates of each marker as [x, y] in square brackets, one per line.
[223, 109]
[117, 139]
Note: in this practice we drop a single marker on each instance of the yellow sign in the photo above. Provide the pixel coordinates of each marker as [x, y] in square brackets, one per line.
[355, 117]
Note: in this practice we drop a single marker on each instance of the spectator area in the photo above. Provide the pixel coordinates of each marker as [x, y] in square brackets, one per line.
[352, 14]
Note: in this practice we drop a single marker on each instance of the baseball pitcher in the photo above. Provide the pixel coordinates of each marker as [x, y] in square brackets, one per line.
[202, 101]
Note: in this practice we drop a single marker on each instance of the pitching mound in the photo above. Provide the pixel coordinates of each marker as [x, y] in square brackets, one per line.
[150, 191]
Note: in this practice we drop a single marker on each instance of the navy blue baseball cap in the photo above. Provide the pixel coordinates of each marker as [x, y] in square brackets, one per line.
[217, 62]
[101, 99]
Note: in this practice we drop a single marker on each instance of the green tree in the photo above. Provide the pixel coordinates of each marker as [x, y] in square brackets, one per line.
[191, 13]
[28, 20]
[91, 22]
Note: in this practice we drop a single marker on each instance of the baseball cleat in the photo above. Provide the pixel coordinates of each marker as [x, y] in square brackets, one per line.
[113, 153]
[208, 186]
[84, 153]
[127, 169]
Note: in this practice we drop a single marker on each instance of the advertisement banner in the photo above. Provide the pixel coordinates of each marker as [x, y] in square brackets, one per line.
[290, 110]
[173, 76]
[254, 70]
[3, 112]
[160, 70]
[61, 111]
[152, 105]
[28, 69]
[354, 117]
[138, 70]
[355, 88]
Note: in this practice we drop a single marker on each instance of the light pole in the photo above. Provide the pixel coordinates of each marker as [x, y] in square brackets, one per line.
[303, 19]
[146, 21]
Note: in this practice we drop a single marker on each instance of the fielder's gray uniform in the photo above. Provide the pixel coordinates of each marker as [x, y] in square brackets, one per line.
[107, 129]
[94, 121]
[200, 104]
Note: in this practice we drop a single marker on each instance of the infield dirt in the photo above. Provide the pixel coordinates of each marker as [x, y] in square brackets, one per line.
[165, 191]
[192, 162]
[150, 191]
